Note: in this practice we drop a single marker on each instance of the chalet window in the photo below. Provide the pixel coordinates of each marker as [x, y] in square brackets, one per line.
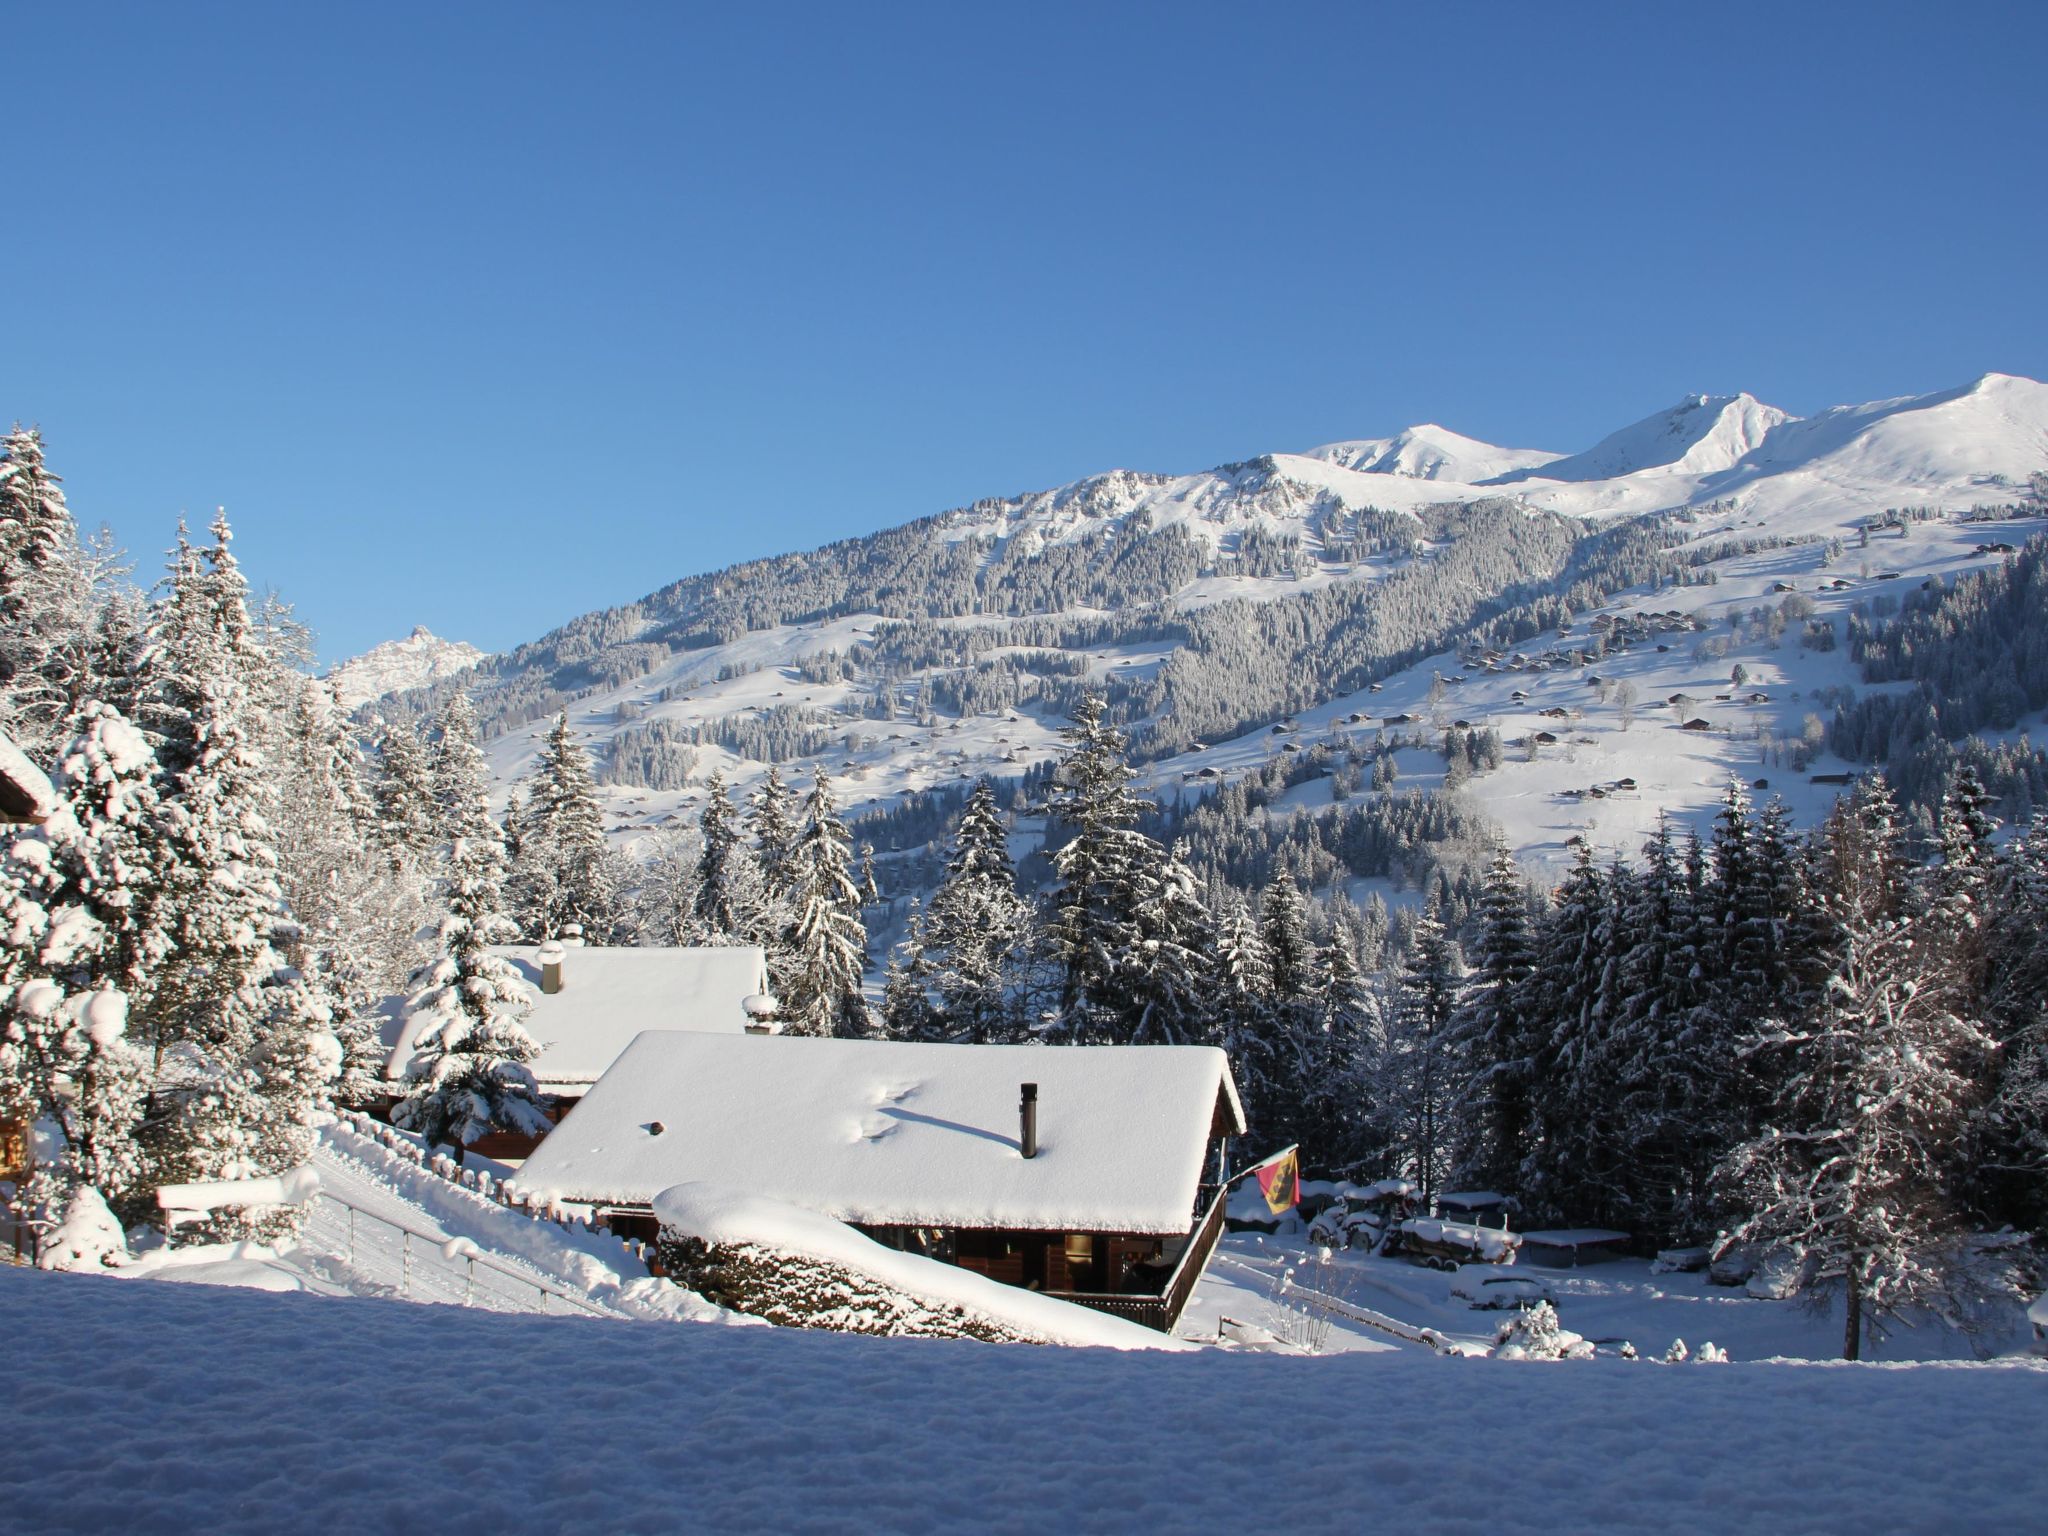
[1082, 1273]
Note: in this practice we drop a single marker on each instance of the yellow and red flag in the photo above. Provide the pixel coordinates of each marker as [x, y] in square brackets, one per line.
[1279, 1179]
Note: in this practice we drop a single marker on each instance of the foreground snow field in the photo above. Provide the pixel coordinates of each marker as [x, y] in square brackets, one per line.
[146, 1408]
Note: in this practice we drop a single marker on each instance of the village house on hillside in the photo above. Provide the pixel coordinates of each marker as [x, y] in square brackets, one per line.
[1087, 1172]
[590, 1001]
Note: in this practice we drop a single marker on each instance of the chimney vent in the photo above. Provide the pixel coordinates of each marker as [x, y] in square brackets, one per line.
[1028, 1111]
[550, 967]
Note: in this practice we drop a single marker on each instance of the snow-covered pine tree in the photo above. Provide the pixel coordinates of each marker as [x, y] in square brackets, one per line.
[1291, 955]
[730, 898]
[208, 1008]
[46, 593]
[1170, 978]
[357, 920]
[1498, 1039]
[469, 1071]
[1660, 1075]
[1107, 871]
[1419, 1075]
[820, 992]
[772, 820]
[974, 928]
[408, 815]
[1853, 1171]
[563, 872]
[2009, 1136]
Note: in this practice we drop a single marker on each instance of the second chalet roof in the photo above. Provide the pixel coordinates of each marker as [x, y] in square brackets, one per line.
[609, 995]
[901, 1133]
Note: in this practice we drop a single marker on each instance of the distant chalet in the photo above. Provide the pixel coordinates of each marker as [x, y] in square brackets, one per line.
[595, 1002]
[923, 1148]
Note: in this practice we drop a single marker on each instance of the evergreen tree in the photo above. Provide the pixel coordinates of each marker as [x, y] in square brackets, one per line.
[46, 591]
[974, 929]
[729, 898]
[1852, 1170]
[408, 815]
[827, 944]
[1108, 872]
[772, 820]
[563, 873]
[1420, 1072]
[470, 1068]
[1290, 952]
[1497, 1041]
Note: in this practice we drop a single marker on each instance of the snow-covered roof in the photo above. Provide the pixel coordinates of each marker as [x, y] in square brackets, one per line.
[25, 791]
[1574, 1237]
[610, 995]
[891, 1132]
[2037, 1314]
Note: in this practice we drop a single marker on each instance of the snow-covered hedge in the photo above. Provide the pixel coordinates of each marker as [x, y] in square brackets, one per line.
[802, 1270]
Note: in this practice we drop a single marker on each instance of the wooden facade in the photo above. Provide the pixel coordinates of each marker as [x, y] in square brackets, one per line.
[15, 1244]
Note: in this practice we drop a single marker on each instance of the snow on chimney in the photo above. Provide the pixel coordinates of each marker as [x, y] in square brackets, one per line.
[551, 967]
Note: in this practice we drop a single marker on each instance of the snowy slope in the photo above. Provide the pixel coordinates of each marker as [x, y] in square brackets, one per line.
[290, 1412]
[420, 658]
[1697, 436]
[1730, 466]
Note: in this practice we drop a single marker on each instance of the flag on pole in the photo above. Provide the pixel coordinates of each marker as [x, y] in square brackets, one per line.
[1279, 1179]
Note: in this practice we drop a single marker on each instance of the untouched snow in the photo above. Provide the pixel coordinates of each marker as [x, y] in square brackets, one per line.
[893, 1132]
[721, 1216]
[297, 1410]
[420, 658]
[1698, 436]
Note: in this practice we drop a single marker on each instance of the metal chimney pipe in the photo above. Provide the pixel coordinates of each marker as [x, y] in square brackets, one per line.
[1028, 1111]
[551, 967]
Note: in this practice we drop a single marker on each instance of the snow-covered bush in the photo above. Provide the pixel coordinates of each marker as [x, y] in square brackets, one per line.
[1537, 1335]
[86, 1237]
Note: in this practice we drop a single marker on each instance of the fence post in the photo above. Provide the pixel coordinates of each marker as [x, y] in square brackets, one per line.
[543, 1297]
[469, 1282]
[405, 1270]
[351, 1237]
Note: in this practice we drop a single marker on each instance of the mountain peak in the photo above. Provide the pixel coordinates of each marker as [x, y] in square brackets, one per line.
[1700, 435]
[1429, 451]
[422, 657]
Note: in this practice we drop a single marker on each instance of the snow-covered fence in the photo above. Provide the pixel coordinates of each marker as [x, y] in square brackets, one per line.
[184, 1203]
[423, 1266]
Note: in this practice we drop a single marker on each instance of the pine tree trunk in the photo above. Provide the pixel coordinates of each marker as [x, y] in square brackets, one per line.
[1852, 1328]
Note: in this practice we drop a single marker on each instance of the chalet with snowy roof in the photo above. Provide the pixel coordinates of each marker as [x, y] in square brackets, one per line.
[1086, 1172]
[589, 1002]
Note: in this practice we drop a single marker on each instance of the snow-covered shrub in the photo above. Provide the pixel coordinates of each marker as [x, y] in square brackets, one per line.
[86, 1237]
[1537, 1335]
[796, 1291]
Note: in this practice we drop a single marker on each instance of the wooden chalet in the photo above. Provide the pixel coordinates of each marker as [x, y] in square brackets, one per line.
[588, 1004]
[1086, 1172]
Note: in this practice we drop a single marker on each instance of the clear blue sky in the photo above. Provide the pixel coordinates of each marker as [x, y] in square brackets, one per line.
[481, 316]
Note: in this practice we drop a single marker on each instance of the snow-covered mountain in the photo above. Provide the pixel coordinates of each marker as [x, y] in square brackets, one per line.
[1698, 436]
[1213, 605]
[1431, 452]
[422, 657]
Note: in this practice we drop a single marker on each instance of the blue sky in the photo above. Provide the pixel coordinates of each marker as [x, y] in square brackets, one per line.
[481, 316]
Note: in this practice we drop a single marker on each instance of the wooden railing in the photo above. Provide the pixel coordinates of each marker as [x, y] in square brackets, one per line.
[1161, 1312]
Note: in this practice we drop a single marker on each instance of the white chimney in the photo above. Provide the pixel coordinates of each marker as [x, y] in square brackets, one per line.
[760, 1010]
[551, 967]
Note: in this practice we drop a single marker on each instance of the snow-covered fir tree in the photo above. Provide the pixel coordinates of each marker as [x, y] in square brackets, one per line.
[730, 901]
[820, 991]
[1420, 1074]
[964, 946]
[46, 594]
[1495, 1037]
[220, 1002]
[563, 873]
[1853, 1171]
[469, 1071]
[408, 815]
